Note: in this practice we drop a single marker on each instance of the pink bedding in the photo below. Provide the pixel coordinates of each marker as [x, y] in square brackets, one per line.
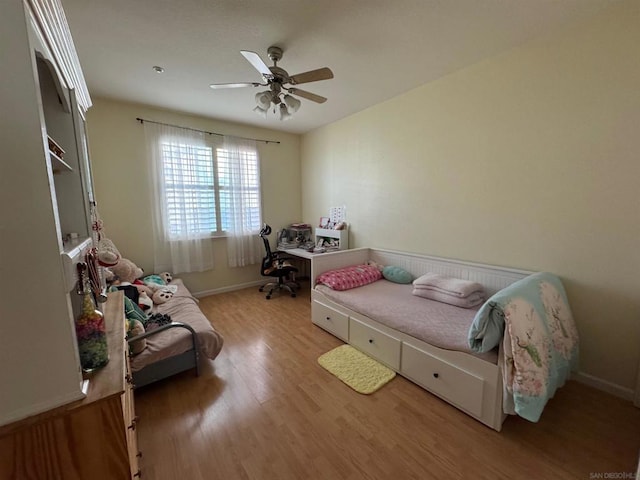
[392, 304]
[183, 307]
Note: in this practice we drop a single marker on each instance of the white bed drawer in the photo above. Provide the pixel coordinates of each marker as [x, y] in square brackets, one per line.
[330, 319]
[455, 385]
[375, 343]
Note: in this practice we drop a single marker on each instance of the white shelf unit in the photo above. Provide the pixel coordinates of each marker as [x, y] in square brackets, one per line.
[342, 236]
[47, 97]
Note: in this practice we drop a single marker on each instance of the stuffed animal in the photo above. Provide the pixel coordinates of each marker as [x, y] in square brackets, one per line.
[154, 282]
[143, 288]
[126, 270]
[166, 277]
[162, 296]
[144, 302]
[135, 327]
[109, 276]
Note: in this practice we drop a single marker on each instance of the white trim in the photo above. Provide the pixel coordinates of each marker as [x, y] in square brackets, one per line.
[230, 288]
[604, 385]
[52, 22]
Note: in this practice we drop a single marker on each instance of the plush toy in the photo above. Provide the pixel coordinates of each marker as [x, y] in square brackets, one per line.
[126, 270]
[154, 282]
[162, 296]
[108, 254]
[109, 276]
[166, 277]
[143, 288]
[144, 302]
[135, 327]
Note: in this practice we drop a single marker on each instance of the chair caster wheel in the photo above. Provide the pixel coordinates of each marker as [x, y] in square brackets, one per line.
[261, 289]
[268, 297]
[293, 295]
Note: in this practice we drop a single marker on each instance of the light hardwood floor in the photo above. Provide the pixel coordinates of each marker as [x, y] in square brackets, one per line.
[265, 409]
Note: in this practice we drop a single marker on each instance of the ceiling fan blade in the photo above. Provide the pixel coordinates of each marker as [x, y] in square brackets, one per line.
[235, 85]
[311, 76]
[255, 60]
[308, 95]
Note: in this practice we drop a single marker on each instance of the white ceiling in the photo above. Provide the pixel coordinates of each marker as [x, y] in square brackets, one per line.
[377, 49]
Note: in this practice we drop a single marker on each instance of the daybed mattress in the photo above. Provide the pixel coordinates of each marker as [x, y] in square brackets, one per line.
[183, 307]
[392, 304]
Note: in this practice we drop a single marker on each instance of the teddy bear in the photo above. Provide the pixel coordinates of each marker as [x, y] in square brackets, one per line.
[126, 271]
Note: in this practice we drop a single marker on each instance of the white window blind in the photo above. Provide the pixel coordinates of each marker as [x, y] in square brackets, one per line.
[202, 188]
[247, 190]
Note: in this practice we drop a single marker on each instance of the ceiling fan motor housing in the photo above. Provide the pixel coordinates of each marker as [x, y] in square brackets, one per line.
[275, 54]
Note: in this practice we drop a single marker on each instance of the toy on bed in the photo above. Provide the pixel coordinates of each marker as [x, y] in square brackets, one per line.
[167, 331]
[176, 346]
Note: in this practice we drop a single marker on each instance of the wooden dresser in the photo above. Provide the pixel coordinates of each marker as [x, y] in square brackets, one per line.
[94, 438]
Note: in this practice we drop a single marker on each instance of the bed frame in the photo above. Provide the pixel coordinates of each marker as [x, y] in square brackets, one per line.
[465, 381]
[168, 366]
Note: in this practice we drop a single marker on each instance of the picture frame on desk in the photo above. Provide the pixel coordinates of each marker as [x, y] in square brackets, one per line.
[324, 222]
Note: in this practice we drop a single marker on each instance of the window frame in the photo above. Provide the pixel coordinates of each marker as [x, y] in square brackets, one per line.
[214, 147]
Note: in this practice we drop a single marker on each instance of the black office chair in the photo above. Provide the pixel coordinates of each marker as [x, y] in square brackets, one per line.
[274, 265]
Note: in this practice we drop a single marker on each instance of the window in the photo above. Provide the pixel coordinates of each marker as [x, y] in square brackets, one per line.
[247, 190]
[202, 185]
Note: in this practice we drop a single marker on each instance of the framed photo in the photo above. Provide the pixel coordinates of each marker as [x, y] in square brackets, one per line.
[324, 222]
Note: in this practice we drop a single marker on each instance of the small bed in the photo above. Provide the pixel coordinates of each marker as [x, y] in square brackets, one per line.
[177, 346]
[392, 304]
[459, 354]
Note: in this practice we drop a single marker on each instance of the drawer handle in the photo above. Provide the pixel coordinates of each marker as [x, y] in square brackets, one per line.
[371, 340]
[139, 454]
[328, 318]
[138, 474]
[436, 375]
[134, 421]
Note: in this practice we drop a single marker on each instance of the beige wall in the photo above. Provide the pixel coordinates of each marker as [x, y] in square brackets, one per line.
[530, 159]
[118, 158]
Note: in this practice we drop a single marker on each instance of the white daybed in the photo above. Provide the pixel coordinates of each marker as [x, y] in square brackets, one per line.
[470, 382]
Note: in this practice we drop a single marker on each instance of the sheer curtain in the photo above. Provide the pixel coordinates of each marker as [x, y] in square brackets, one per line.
[244, 218]
[177, 160]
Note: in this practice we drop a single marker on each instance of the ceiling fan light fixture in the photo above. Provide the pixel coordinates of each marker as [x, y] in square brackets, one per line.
[263, 100]
[292, 103]
[284, 113]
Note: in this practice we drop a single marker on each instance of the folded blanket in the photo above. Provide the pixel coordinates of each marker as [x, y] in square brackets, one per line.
[473, 300]
[540, 342]
[449, 285]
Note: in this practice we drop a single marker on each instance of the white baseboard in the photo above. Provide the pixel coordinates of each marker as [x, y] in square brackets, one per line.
[230, 288]
[604, 385]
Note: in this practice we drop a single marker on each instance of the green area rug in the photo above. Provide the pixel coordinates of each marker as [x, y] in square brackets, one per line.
[360, 372]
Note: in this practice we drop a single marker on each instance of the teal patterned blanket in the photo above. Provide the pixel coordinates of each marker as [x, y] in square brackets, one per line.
[533, 319]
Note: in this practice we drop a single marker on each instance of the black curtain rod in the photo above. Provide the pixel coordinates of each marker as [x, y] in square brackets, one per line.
[142, 120]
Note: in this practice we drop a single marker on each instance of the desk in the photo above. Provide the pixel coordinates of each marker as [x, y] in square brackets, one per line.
[298, 252]
[304, 271]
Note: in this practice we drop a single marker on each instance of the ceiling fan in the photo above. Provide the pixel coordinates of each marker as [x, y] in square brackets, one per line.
[281, 84]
